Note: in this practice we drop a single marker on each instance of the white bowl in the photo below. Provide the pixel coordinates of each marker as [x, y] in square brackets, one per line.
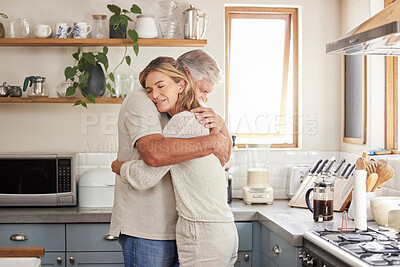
[380, 207]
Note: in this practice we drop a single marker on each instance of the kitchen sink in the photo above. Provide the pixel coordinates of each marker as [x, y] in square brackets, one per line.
[20, 262]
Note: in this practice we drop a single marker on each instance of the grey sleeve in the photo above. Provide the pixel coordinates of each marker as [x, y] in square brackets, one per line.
[141, 117]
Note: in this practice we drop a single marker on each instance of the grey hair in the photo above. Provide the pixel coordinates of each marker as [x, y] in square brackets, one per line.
[201, 65]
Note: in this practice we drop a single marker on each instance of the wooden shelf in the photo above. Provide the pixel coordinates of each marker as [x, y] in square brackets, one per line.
[100, 42]
[99, 100]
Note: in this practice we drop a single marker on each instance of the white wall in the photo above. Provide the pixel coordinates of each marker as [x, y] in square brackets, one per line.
[61, 127]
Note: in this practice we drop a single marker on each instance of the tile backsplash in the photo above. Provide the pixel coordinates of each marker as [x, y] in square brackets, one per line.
[279, 162]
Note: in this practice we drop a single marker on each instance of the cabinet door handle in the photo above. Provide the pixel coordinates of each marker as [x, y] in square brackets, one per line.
[59, 260]
[109, 237]
[276, 249]
[71, 260]
[18, 237]
[246, 257]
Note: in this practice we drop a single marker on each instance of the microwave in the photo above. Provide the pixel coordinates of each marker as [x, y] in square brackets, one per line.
[37, 180]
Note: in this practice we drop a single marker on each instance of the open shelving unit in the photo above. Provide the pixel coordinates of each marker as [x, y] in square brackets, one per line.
[39, 42]
[52, 42]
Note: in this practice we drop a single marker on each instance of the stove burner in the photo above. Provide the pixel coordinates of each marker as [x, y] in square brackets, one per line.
[356, 237]
[375, 247]
[392, 259]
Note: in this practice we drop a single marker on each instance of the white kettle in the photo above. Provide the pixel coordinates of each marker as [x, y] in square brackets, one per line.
[196, 23]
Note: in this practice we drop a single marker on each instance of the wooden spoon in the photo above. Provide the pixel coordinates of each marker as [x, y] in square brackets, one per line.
[371, 167]
[371, 181]
[382, 173]
[387, 175]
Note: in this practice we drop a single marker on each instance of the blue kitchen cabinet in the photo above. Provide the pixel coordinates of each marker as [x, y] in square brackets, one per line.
[249, 252]
[91, 245]
[49, 236]
[278, 251]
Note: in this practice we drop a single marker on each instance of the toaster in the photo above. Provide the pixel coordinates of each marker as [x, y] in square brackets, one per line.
[295, 175]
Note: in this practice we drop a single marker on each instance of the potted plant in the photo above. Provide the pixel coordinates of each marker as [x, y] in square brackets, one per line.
[2, 29]
[119, 20]
[86, 62]
[86, 71]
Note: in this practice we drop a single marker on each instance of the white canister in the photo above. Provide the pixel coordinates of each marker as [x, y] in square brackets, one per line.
[146, 26]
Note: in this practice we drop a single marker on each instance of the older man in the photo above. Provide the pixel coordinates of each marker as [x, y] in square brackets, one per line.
[145, 220]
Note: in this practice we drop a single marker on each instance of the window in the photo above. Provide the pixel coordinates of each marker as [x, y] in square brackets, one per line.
[261, 104]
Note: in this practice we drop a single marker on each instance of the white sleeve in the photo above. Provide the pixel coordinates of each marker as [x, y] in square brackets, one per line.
[140, 175]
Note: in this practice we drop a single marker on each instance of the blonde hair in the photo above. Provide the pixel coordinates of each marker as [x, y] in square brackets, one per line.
[170, 67]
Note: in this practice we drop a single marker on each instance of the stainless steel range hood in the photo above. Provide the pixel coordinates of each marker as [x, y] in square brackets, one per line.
[379, 35]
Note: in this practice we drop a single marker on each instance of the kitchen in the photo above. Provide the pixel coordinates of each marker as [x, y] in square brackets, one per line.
[55, 128]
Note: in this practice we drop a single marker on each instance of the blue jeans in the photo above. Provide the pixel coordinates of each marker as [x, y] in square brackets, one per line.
[140, 252]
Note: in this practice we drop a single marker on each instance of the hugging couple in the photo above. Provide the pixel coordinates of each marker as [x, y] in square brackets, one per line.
[170, 203]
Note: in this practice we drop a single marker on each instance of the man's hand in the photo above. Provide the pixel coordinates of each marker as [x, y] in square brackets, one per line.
[116, 166]
[222, 146]
[209, 118]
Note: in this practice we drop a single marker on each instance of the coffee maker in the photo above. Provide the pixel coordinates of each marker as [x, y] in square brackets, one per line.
[258, 189]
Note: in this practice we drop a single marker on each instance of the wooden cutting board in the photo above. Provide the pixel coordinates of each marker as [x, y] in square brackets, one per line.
[342, 193]
[36, 252]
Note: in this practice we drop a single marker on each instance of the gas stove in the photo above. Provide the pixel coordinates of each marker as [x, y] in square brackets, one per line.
[351, 248]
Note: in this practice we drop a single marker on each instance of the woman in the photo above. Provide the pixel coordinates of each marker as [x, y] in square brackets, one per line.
[205, 232]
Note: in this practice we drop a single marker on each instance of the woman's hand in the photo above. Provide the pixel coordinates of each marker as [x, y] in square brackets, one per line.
[209, 118]
[116, 166]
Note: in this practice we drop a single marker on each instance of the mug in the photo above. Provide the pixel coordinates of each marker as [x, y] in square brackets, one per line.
[63, 30]
[42, 31]
[81, 30]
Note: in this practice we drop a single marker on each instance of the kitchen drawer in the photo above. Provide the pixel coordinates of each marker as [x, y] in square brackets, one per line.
[278, 250]
[49, 236]
[245, 233]
[104, 259]
[90, 237]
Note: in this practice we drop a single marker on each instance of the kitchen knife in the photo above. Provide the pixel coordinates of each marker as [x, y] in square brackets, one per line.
[340, 164]
[329, 165]
[314, 168]
[351, 169]
[344, 171]
[321, 166]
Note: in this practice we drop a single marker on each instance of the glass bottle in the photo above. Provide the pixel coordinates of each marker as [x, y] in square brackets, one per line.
[99, 26]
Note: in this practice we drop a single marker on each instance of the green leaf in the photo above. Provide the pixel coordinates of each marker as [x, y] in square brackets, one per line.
[114, 9]
[125, 18]
[75, 55]
[70, 91]
[111, 76]
[89, 56]
[136, 9]
[136, 48]
[80, 49]
[69, 73]
[125, 11]
[91, 98]
[133, 35]
[80, 102]
[83, 79]
[102, 58]
[105, 50]
[128, 60]
[114, 19]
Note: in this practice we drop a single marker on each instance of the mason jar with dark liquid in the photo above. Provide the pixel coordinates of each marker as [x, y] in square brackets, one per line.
[323, 193]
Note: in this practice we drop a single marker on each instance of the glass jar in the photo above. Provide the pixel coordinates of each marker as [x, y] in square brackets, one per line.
[99, 26]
